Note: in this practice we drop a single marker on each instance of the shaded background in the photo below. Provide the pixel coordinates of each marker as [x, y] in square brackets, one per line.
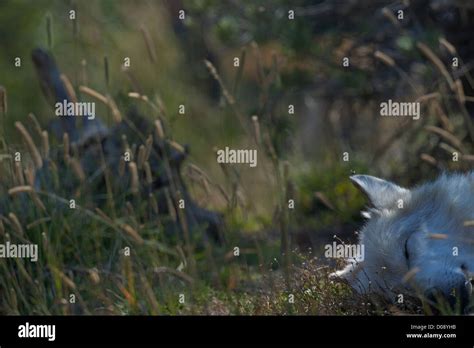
[282, 62]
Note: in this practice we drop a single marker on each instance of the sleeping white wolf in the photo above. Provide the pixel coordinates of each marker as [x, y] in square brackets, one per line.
[417, 241]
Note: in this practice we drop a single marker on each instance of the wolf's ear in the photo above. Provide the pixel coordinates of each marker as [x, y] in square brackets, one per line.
[381, 193]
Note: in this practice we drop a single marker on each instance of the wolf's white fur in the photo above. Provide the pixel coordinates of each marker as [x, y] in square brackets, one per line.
[435, 222]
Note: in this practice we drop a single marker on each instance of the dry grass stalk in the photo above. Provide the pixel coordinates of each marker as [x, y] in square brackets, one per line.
[106, 100]
[75, 150]
[171, 208]
[205, 183]
[134, 183]
[174, 272]
[198, 170]
[129, 209]
[324, 200]
[469, 158]
[45, 143]
[104, 216]
[24, 272]
[153, 203]
[69, 89]
[187, 237]
[116, 114]
[20, 179]
[256, 129]
[436, 62]
[148, 176]
[122, 166]
[270, 148]
[49, 30]
[157, 108]
[134, 95]
[77, 169]
[3, 100]
[65, 279]
[148, 146]
[446, 44]
[133, 150]
[409, 275]
[45, 241]
[178, 147]
[37, 222]
[37, 201]
[20, 189]
[258, 62]
[132, 233]
[460, 92]
[438, 236]
[391, 17]
[213, 71]
[150, 295]
[94, 94]
[429, 159]
[28, 189]
[448, 148]
[94, 275]
[84, 72]
[36, 124]
[106, 71]
[141, 156]
[384, 58]
[30, 176]
[159, 129]
[16, 224]
[149, 44]
[126, 146]
[445, 135]
[35, 154]
[66, 147]
[204, 178]
[446, 122]
[429, 96]
[132, 78]
[238, 75]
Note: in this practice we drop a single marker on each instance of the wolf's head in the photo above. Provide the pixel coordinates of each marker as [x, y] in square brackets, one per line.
[418, 241]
